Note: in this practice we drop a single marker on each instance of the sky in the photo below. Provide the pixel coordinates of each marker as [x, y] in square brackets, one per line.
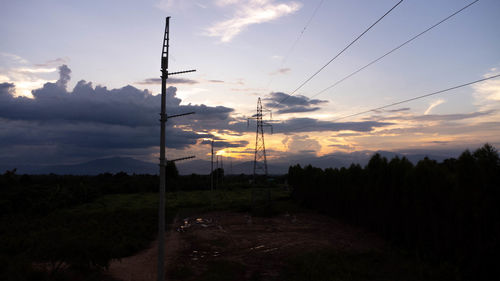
[80, 80]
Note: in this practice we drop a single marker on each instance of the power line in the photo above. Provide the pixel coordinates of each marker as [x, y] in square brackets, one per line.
[292, 47]
[408, 100]
[416, 98]
[336, 56]
[391, 51]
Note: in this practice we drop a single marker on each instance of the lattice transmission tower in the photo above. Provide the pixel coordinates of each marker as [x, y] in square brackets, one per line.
[260, 158]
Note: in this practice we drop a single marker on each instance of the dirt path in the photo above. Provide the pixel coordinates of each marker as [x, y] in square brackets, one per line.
[260, 245]
[143, 266]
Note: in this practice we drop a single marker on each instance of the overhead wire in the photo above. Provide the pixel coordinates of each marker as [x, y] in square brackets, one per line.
[416, 98]
[292, 47]
[409, 100]
[393, 50]
[336, 56]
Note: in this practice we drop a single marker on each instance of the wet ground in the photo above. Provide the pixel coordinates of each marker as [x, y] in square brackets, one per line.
[237, 246]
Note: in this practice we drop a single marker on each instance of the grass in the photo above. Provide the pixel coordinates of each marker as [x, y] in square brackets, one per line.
[201, 199]
[332, 265]
[111, 226]
[223, 270]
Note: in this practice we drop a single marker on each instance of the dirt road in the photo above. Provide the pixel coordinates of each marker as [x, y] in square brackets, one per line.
[258, 245]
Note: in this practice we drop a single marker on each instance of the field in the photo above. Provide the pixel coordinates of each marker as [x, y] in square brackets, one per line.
[239, 234]
[389, 220]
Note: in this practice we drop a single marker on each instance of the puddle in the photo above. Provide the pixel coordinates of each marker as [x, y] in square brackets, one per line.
[199, 255]
[258, 247]
[189, 222]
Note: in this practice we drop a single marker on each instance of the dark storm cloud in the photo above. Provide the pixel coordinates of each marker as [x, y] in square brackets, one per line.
[313, 125]
[222, 143]
[6, 91]
[292, 104]
[127, 106]
[64, 76]
[95, 121]
[172, 80]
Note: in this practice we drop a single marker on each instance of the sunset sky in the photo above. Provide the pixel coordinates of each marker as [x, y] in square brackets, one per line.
[79, 80]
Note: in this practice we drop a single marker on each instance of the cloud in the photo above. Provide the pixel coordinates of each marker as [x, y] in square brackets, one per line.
[487, 94]
[54, 62]
[223, 3]
[303, 145]
[174, 5]
[281, 71]
[64, 76]
[173, 80]
[13, 57]
[100, 121]
[452, 117]
[6, 91]
[297, 125]
[223, 143]
[215, 81]
[26, 76]
[37, 70]
[292, 104]
[399, 109]
[247, 13]
[439, 142]
[342, 146]
[438, 117]
[434, 104]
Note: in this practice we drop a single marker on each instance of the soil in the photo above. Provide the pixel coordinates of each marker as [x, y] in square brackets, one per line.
[260, 244]
[143, 266]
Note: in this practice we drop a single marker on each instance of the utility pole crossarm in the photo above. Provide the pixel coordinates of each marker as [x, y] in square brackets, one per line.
[181, 72]
[177, 115]
[182, 158]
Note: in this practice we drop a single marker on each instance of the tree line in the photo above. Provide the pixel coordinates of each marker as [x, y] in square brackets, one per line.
[447, 212]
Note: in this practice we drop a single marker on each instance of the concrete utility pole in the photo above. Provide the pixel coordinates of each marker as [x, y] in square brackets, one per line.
[163, 161]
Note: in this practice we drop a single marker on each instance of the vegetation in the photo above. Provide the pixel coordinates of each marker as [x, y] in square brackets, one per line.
[57, 227]
[445, 212]
[329, 264]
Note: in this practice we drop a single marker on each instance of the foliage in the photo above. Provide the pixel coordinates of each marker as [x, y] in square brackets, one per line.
[75, 225]
[223, 270]
[329, 264]
[446, 211]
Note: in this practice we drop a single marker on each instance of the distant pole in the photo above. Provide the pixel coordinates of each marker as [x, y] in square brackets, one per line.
[212, 168]
[217, 171]
[222, 169]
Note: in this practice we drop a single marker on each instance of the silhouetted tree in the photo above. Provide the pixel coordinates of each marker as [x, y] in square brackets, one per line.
[447, 211]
